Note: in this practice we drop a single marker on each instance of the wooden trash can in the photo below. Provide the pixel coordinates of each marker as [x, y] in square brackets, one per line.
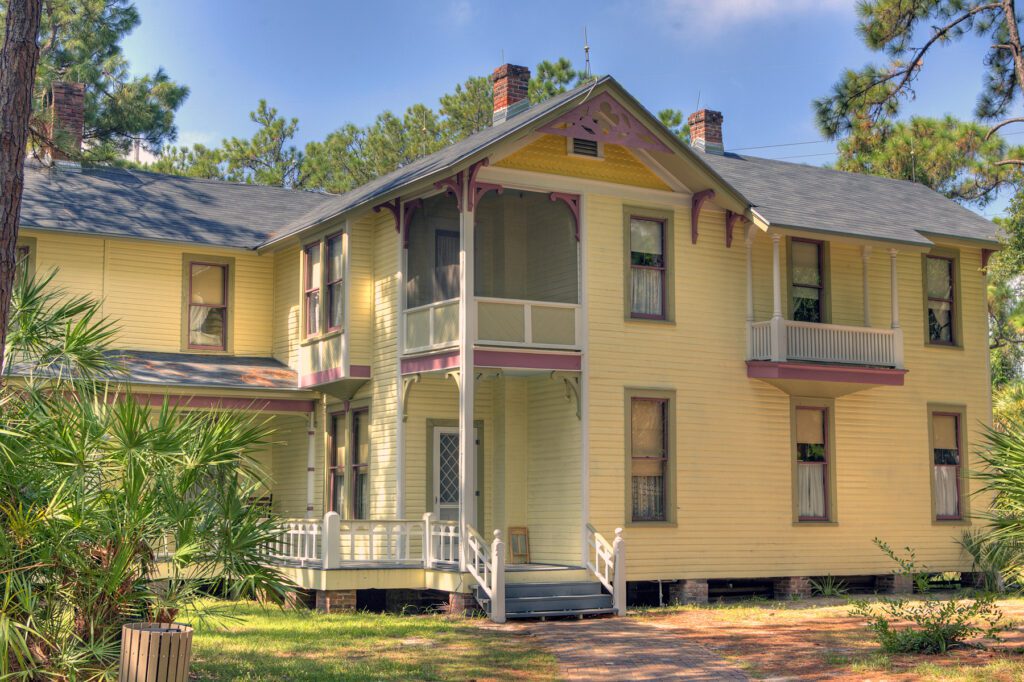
[155, 652]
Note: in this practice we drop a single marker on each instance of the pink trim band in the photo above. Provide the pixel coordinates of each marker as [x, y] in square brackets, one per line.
[430, 363]
[881, 376]
[224, 402]
[569, 362]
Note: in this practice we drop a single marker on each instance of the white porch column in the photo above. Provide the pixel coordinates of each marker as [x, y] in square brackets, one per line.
[467, 383]
[778, 322]
[895, 296]
[750, 290]
[865, 259]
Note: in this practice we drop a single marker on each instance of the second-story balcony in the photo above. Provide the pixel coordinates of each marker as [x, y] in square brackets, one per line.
[525, 281]
[798, 350]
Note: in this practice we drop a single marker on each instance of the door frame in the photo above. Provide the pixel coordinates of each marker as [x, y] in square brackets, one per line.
[431, 474]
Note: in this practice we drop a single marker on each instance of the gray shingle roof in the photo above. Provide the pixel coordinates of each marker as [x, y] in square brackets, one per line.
[445, 159]
[825, 200]
[131, 203]
[180, 369]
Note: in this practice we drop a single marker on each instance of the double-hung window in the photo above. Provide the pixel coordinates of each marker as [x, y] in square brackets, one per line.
[336, 480]
[313, 277]
[207, 305]
[940, 292]
[650, 446]
[648, 267]
[807, 280]
[360, 466]
[812, 463]
[946, 465]
[335, 283]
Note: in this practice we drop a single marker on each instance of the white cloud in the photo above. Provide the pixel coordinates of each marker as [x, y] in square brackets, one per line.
[461, 12]
[713, 16]
[187, 138]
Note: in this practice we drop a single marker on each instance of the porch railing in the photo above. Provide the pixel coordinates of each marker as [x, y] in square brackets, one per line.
[514, 322]
[298, 542]
[784, 340]
[431, 326]
[486, 563]
[444, 541]
[607, 561]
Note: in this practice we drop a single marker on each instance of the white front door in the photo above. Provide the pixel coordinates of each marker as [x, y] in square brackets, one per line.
[446, 472]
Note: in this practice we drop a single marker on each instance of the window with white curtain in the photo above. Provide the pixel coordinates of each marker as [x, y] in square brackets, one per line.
[207, 306]
[335, 284]
[648, 266]
[313, 277]
[946, 465]
[649, 457]
[812, 463]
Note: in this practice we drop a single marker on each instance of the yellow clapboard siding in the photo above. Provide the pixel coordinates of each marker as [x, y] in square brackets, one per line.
[384, 369]
[287, 282]
[359, 289]
[549, 155]
[734, 516]
[141, 283]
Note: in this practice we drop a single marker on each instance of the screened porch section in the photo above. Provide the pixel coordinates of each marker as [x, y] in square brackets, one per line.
[526, 279]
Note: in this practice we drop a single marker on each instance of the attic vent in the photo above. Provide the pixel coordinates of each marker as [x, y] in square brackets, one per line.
[584, 147]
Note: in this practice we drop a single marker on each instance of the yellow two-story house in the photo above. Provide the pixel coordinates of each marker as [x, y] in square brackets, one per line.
[564, 360]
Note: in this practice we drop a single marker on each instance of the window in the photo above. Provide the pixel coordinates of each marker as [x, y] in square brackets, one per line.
[812, 463]
[24, 254]
[432, 271]
[647, 268]
[336, 480]
[313, 276]
[207, 305]
[335, 283]
[940, 292]
[946, 465]
[360, 464]
[649, 441]
[807, 280]
[446, 264]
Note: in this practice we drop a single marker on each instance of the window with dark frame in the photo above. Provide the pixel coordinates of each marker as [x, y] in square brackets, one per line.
[647, 268]
[207, 306]
[313, 277]
[335, 283]
[940, 289]
[807, 280]
[649, 452]
[812, 459]
[336, 494]
[360, 466]
[446, 265]
[946, 465]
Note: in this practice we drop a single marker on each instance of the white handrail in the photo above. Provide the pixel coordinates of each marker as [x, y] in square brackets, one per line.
[607, 561]
[486, 563]
[817, 342]
[444, 542]
[298, 541]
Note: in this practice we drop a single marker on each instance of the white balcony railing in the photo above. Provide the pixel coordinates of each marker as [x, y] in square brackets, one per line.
[520, 323]
[788, 340]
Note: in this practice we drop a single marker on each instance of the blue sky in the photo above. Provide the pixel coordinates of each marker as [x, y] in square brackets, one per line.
[760, 62]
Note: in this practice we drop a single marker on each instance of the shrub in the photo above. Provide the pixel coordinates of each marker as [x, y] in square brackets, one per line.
[829, 586]
[929, 625]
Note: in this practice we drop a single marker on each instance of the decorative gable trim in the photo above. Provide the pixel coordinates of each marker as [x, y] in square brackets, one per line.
[604, 120]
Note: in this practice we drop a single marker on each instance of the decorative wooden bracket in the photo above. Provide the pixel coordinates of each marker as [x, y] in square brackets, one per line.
[407, 382]
[985, 255]
[493, 373]
[455, 375]
[408, 209]
[453, 186]
[695, 205]
[478, 189]
[731, 220]
[393, 207]
[572, 388]
[573, 202]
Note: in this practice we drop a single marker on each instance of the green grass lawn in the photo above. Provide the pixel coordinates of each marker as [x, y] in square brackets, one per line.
[270, 644]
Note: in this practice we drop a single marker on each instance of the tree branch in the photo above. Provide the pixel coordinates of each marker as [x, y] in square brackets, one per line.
[993, 129]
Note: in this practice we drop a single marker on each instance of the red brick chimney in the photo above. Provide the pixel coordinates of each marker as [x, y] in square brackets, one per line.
[706, 131]
[68, 116]
[511, 88]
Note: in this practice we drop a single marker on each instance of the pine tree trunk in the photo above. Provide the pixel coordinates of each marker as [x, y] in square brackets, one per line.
[18, 60]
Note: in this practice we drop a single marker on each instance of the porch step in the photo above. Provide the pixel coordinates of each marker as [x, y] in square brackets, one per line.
[543, 600]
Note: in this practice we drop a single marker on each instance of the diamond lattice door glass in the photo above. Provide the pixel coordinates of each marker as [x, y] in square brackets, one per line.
[446, 477]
